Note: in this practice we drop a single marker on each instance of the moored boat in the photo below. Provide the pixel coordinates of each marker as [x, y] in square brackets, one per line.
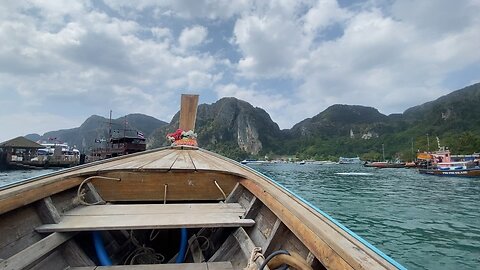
[383, 165]
[464, 169]
[179, 204]
[349, 160]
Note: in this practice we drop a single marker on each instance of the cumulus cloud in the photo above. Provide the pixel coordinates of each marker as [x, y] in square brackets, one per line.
[191, 37]
[292, 57]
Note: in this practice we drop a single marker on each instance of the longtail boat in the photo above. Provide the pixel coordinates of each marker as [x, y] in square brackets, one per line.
[179, 207]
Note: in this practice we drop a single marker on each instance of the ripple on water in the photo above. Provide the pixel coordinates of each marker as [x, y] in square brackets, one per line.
[423, 222]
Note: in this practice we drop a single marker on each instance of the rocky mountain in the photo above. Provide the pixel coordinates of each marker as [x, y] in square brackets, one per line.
[342, 120]
[238, 130]
[357, 130]
[97, 127]
[228, 126]
[456, 112]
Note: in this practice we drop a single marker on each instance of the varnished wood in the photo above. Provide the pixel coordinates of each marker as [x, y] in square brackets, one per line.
[33, 194]
[150, 186]
[188, 112]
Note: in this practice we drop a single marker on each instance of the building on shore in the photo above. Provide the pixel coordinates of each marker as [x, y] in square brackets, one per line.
[17, 152]
[22, 153]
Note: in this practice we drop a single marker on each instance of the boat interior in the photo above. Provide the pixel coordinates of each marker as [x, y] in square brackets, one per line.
[167, 206]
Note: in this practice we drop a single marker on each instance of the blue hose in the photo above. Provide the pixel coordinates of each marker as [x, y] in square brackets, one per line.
[183, 246]
[100, 249]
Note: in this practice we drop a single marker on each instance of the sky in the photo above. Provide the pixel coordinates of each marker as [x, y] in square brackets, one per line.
[64, 60]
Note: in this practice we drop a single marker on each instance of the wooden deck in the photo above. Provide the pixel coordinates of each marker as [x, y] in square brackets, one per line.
[150, 216]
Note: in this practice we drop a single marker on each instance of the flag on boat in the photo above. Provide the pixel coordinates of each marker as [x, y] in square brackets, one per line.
[140, 135]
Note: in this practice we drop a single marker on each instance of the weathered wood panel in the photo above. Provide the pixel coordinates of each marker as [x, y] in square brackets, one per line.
[157, 209]
[137, 162]
[150, 186]
[17, 230]
[150, 221]
[183, 161]
[34, 252]
[262, 229]
[237, 248]
[53, 261]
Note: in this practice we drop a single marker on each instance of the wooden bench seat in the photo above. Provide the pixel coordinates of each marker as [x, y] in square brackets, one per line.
[150, 216]
[182, 266]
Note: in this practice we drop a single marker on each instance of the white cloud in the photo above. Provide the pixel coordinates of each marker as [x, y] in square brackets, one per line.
[293, 58]
[324, 14]
[274, 103]
[191, 37]
[186, 9]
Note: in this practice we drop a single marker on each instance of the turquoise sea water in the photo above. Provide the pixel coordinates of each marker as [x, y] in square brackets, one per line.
[423, 222]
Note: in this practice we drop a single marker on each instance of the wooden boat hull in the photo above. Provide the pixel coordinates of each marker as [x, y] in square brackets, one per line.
[163, 191]
[452, 173]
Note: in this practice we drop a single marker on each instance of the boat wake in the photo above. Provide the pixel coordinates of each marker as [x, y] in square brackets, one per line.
[354, 173]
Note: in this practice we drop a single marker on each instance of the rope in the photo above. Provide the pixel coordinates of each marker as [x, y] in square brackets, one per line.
[221, 190]
[81, 194]
[203, 247]
[256, 253]
[165, 195]
[152, 235]
[142, 254]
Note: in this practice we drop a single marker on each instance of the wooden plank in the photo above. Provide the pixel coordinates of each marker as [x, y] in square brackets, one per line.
[34, 252]
[202, 163]
[278, 232]
[52, 261]
[145, 157]
[73, 254]
[164, 163]
[159, 209]
[183, 161]
[237, 248]
[17, 230]
[150, 186]
[188, 112]
[212, 162]
[151, 221]
[182, 266]
[264, 222]
[47, 211]
[30, 195]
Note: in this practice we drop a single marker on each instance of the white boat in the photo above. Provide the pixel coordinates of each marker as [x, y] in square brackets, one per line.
[345, 160]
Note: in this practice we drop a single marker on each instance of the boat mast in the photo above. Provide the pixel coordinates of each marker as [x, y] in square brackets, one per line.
[188, 112]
